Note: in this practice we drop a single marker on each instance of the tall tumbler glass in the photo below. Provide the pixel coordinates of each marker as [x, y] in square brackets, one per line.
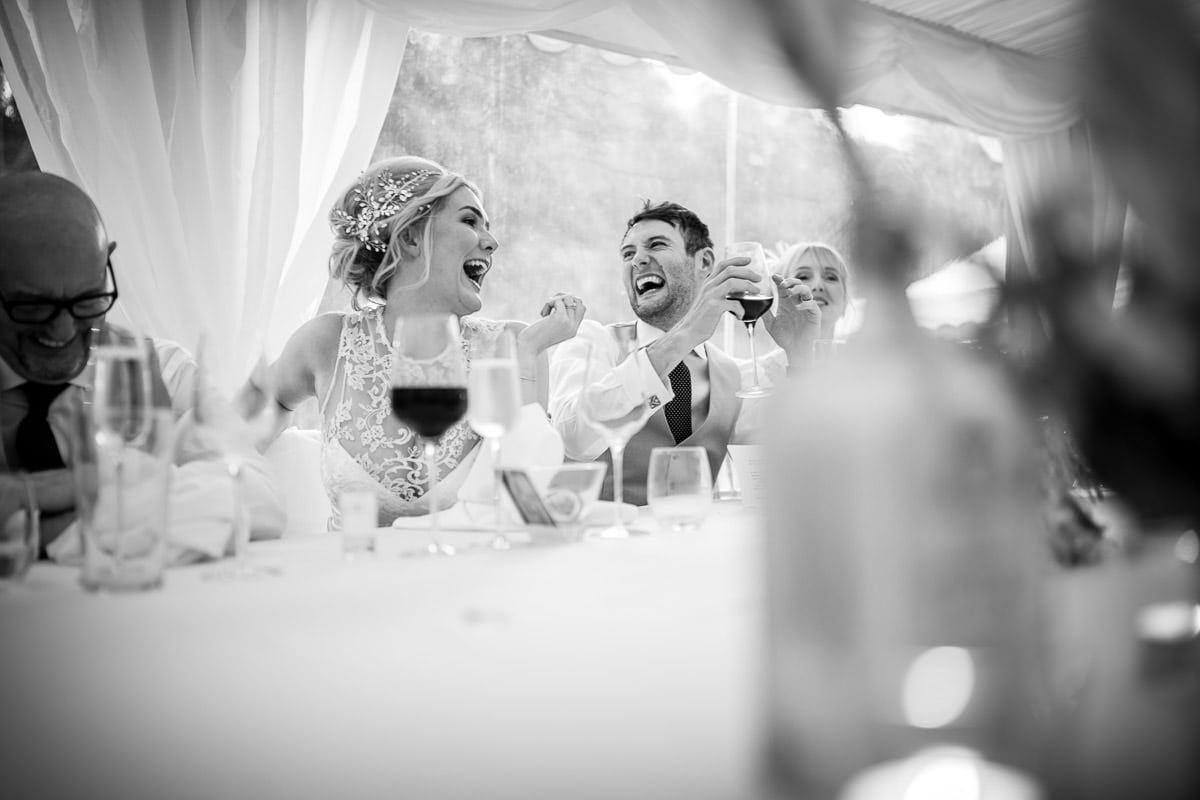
[124, 451]
[121, 495]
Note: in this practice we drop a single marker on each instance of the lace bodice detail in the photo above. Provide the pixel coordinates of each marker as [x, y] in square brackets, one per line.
[358, 426]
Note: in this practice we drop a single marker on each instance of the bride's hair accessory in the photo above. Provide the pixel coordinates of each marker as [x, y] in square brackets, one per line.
[374, 201]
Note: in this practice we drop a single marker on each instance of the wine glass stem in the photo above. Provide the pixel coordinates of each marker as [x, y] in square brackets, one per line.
[494, 443]
[753, 358]
[435, 538]
[618, 461]
[241, 530]
[119, 538]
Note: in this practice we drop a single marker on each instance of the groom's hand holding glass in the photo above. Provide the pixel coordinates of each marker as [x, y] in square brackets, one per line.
[712, 300]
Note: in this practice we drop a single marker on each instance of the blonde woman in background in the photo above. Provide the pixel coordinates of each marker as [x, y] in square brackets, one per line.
[822, 269]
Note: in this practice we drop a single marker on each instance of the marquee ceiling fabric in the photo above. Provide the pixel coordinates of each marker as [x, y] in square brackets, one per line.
[993, 67]
[1038, 28]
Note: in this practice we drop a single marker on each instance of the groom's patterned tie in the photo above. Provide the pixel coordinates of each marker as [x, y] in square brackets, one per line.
[679, 409]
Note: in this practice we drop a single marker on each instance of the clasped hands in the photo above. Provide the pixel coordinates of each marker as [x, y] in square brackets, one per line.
[559, 320]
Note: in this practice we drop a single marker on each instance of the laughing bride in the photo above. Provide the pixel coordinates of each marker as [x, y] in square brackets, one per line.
[410, 237]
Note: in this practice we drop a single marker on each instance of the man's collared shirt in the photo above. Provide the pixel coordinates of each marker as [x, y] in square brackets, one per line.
[179, 373]
[619, 387]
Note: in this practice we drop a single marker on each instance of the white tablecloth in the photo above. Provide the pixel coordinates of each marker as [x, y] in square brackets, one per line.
[604, 669]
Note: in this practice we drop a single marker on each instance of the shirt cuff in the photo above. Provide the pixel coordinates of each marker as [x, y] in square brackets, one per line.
[646, 376]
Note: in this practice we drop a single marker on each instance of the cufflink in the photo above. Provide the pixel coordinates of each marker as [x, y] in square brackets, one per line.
[654, 401]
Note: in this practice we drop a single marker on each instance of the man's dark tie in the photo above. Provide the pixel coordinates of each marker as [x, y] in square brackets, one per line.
[679, 409]
[37, 449]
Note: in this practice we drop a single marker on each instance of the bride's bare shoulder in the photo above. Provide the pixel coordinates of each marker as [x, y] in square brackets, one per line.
[318, 336]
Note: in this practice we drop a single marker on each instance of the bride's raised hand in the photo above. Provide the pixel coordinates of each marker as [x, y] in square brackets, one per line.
[560, 318]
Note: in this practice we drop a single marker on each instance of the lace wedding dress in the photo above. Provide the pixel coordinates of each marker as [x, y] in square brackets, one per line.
[364, 447]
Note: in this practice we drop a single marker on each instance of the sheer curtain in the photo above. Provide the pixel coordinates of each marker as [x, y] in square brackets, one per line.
[211, 134]
[1043, 167]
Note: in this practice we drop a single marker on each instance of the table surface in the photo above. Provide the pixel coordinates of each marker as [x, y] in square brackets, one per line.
[606, 669]
[613, 669]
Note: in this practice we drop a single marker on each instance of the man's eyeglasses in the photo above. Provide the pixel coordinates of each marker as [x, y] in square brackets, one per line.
[41, 310]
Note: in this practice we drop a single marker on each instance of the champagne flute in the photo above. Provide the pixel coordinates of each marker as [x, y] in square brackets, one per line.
[121, 407]
[754, 304]
[429, 392]
[616, 425]
[493, 408]
[121, 395]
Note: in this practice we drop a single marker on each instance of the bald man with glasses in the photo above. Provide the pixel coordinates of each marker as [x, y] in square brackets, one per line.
[57, 283]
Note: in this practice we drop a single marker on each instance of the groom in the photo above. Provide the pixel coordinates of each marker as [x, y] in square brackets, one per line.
[678, 291]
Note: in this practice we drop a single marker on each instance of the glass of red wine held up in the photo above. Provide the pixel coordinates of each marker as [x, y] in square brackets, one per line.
[754, 304]
[429, 392]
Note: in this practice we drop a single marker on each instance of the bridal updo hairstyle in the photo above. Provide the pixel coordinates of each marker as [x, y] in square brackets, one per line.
[392, 196]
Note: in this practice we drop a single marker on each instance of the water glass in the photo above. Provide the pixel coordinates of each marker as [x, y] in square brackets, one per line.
[121, 495]
[679, 487]
[359, 509]
[19, 530]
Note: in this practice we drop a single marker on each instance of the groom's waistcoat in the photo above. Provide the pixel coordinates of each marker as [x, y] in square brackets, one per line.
[712, 433]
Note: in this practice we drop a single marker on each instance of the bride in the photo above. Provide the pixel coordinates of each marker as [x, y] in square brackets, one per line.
[411, 237]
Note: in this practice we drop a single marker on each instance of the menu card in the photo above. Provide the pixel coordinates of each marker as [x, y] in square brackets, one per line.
[748, 466]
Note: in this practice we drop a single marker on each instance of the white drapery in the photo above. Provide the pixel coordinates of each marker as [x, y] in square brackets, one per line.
[1041, 167]
[213, 134]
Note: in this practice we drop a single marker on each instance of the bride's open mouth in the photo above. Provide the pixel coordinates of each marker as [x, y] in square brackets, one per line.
[475, 269]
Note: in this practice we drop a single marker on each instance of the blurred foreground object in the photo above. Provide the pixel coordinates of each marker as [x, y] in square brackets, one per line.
[904, 547]
[906, 601]
[1128, 382]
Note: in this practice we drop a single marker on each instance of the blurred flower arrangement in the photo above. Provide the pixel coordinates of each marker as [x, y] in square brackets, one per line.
[1117, 394]
[1127, 383]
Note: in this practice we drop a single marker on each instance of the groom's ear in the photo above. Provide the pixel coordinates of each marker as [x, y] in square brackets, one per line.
[705, 261]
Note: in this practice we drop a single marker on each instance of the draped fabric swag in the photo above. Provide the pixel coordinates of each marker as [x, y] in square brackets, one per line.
[214, 134]
[1037, 167]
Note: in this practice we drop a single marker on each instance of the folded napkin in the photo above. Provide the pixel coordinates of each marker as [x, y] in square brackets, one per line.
[604, 512]
[474, 516]
[457, 517]
[199, 516]
[533, 442]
